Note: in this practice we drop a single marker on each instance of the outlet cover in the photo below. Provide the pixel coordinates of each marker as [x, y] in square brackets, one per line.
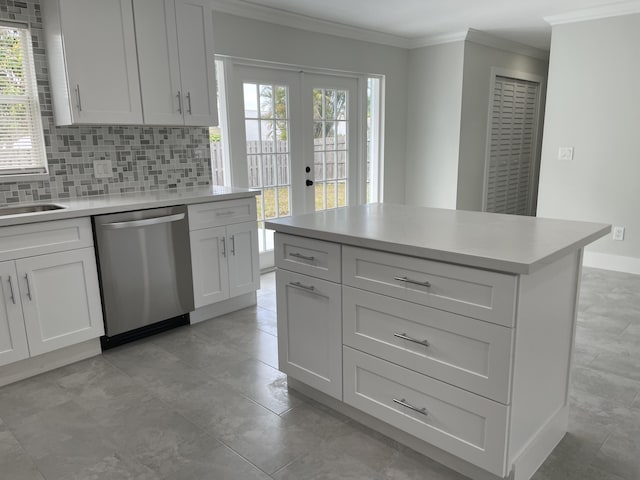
[565, 153]
[102, 169]
[618, 233]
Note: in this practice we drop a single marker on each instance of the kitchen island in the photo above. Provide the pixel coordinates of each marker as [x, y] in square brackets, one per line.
[449, 331]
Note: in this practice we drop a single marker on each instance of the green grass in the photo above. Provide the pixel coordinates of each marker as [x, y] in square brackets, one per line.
[283, 200]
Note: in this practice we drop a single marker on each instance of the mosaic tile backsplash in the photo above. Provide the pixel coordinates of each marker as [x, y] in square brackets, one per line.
[143, 158]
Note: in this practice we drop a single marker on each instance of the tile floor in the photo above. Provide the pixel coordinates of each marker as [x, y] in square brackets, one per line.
[207, 402]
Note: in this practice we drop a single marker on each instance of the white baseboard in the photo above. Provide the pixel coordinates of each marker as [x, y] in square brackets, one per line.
[30, 367]
[617, 263]
[222, 308]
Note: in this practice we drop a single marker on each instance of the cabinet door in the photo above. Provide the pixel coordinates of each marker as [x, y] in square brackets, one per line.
[197, 68]
[310, 331]
[209, 252]
[244, 261]
[13, 338]
[60, 299]
[157, 43]
[100, 55]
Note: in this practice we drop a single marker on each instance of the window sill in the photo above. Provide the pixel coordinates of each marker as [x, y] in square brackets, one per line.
[24, 177]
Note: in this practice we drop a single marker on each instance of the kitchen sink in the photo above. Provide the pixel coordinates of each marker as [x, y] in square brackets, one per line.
[40, 207]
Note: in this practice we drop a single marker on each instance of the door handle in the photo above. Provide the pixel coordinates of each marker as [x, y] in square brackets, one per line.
[233, 245]
[13, 297]
[308, 182]
[179, 95]
[143, 223]
[26, 277]
[224, 247]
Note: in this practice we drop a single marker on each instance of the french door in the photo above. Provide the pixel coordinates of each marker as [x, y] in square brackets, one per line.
[294, 136]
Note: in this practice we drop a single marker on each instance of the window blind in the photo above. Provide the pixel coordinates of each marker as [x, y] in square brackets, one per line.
[21, 136]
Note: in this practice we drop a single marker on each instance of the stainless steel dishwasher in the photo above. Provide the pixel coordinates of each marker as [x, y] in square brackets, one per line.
[145, 272]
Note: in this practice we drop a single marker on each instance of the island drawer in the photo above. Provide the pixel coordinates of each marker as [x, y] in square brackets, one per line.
[226, 212]
[458, 422]
[308, 256]
[469, 353]
[471, 292]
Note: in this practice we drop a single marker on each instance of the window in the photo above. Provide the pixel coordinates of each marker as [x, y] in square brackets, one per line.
[21, 136]
[374, 141]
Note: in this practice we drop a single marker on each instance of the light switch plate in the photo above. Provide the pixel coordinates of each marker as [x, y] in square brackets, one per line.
[565, 153]
[102, 169]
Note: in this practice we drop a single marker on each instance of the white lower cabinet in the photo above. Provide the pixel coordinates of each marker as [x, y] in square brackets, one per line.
[13, 338]
[310, 331]
[243, 258]
[224, 262]
[60, 299]
[209, 266]
[49, 293]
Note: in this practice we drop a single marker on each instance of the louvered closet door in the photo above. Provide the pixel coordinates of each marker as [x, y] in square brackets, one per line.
[512, 150]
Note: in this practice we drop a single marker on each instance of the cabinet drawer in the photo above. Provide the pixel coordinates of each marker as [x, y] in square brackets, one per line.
[461, 423]
[308, 256]
[468, 291]
[215, 214]
[45, 237]
[462, 351]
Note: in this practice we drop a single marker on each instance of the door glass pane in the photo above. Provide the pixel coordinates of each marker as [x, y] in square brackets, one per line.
[331, 157]
[268, 159]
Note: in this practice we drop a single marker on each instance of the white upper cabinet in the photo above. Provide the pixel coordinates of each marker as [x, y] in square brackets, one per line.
[92, 61]
[124, 62]
[175, 56]
[197, 71]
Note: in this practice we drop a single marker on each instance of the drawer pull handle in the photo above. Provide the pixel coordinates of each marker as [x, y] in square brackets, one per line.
[404, 336]
[225, 214]
[308, 288]
[404, 403]
[310, 258]
[408, 280]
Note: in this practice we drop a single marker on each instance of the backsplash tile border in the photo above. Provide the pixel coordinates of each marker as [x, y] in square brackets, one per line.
[143, 158]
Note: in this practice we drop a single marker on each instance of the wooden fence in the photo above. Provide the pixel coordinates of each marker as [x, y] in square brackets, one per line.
[275, 168]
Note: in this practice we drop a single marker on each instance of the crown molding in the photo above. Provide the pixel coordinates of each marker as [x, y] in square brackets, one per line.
[488, 40]
[280, 17]
[431, 40]
[595, 13]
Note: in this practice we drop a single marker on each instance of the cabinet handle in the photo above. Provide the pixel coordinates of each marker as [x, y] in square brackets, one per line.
[308, 288]
[179, 95]
[304, 257]
[225, 214]
[233, 245]
[224, 247]
[404, 336]
[404, 403]
[13, 297]
[189, 103]
[408, 280]
[78, 98]
[26, 277]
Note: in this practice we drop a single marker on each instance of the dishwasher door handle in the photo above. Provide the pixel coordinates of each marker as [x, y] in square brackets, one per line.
[143, 223]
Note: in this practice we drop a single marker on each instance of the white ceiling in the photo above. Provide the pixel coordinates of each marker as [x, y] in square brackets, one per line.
[418, 21]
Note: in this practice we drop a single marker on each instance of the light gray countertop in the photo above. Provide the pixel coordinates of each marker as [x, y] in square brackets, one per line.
[506, 243]
[98, 205]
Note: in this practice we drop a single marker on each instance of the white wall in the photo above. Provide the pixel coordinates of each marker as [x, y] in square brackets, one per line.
[593, 105]
[247, 38]
[476, 95]
[433, 125]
